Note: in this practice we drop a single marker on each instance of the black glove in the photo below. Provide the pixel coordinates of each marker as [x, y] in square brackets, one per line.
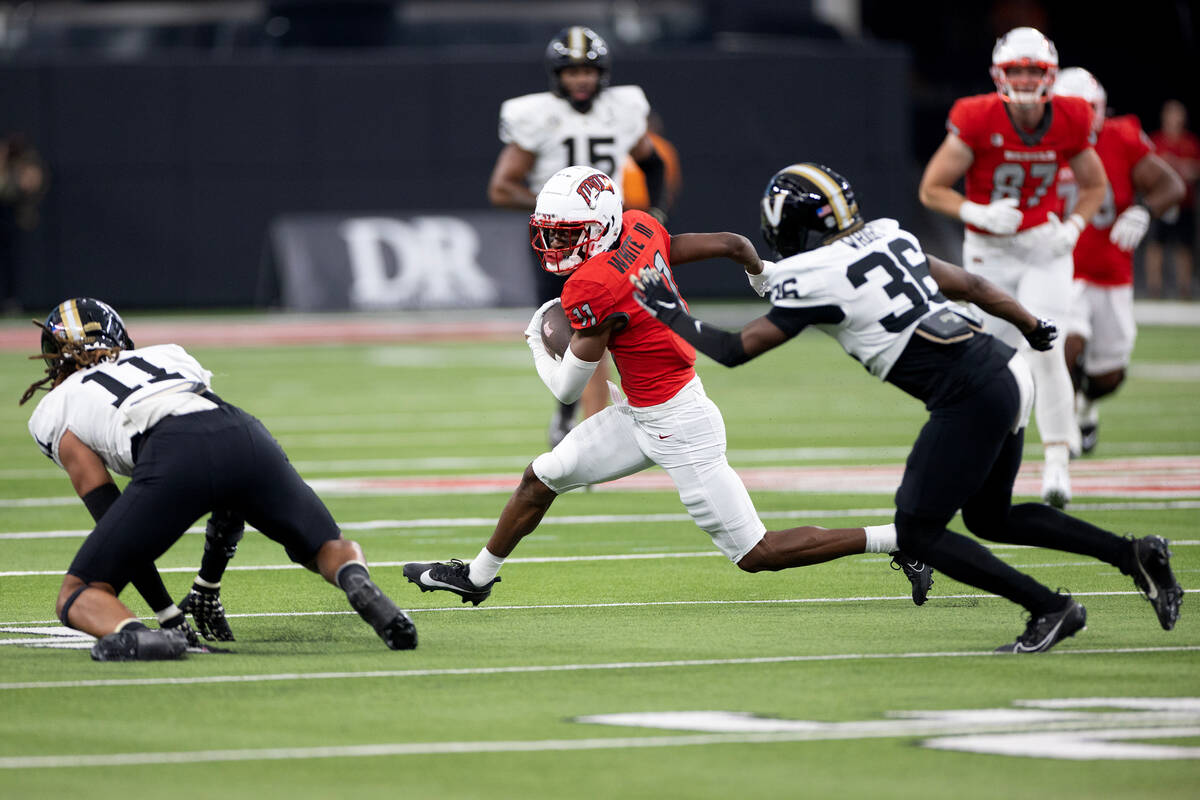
[1042, 337]
[179, 624]
[204, 604]
[656, 295]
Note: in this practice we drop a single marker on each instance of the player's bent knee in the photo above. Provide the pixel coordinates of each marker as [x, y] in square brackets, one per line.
[71, 588]
[533, 488]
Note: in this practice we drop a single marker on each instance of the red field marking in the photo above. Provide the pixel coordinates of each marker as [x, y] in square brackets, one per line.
[294, 331]
[1168, 477]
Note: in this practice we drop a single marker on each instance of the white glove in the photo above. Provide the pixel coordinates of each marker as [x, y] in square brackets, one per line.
[761, 282]
[534, 329]
[1059, 237]
[1002, 216]
[1130, 227]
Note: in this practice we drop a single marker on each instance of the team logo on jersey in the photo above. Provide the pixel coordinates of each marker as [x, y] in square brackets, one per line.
[593, 186]
[997, 140]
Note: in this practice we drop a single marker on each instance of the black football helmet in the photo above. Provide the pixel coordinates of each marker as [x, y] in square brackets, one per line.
[577, 46]
[806, 205]
[83, 325]
[78, 333]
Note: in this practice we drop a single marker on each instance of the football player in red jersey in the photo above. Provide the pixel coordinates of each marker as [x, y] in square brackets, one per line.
[579, 229]
[1100, 327]
[1009, 146]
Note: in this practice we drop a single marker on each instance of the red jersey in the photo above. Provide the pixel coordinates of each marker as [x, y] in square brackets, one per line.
[1180, 153]
[1121, 145]
[654, 363]
[1022, 164]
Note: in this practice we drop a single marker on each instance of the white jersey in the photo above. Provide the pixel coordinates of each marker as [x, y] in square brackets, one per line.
[877, 277]
[108, 404]
[559, 136]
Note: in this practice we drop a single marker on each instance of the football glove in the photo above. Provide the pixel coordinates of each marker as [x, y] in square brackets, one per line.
[1130, 227]
[762, 281]
[179, 624]
[656, 295]
[204, 604]
[1059, 236]
[1002, 216]
[1042, 337]
[534, 329]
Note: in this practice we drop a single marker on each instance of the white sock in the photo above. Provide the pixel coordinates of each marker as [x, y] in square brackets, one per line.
[881, 538]
[484, 567]
[168, 612]
[1056, 454]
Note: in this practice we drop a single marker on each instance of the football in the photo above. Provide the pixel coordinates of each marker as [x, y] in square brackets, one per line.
[556, 331]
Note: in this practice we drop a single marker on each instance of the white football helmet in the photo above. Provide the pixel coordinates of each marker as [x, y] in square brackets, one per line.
[1078, 82]
[1024, 47]
[578, 215]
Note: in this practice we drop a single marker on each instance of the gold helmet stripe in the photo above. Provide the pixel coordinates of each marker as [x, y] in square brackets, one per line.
[576, 42]
[830, 188]
[71, 321]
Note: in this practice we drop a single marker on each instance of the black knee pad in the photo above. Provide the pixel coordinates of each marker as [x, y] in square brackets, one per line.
[66, 609]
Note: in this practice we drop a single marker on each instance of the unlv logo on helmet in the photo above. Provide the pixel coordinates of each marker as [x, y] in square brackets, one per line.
[591, 187]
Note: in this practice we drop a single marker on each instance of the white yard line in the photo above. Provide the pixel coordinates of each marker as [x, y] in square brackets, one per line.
[551, 668]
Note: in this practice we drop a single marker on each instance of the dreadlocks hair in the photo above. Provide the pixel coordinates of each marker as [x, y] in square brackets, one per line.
[70, 357]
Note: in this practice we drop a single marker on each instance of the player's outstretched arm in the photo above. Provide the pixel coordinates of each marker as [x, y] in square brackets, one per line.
[688, 247]
[725, 347]
[958, 284]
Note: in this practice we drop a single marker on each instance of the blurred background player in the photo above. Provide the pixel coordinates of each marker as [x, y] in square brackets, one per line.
[1010, 145]
[1100, 327]
[23, 184]
[149, 413]
[580, 121]
[1180, 148]
[871, 286]
[666, 419]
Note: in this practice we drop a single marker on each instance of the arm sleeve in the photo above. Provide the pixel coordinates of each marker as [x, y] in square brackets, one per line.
[724, 347]
[656, 181]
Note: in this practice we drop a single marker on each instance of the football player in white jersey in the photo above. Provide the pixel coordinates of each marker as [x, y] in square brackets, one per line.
[149, 413]
[872, 287]
[580, 121]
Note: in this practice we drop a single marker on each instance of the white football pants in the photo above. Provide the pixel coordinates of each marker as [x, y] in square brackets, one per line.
[1018, 265]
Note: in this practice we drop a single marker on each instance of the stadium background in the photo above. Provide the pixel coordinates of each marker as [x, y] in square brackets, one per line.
[178, 134]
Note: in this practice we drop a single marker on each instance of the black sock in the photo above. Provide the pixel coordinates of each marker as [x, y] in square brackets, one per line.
[351, 575]
[134, 626]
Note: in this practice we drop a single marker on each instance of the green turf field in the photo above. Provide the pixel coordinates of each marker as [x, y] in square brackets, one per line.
[822, 682]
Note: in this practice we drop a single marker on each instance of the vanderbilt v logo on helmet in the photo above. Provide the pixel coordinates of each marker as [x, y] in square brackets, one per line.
[804, 206]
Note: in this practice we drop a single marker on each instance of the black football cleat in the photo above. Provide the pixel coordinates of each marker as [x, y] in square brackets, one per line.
[377, 610]
[453, 576]
[1042, 633]
[142, 644]
[1089, 436]
[561, 424]
[919, 574]
[1152, 574]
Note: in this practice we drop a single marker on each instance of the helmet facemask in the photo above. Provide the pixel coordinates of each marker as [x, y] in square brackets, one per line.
[563, 245]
